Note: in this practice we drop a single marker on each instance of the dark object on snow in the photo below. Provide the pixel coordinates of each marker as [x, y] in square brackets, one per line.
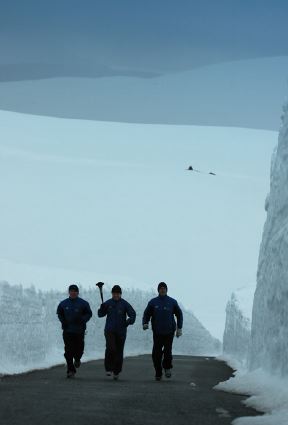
[116, 289]
[190, 168]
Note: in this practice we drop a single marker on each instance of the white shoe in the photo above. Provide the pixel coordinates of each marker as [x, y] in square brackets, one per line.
[115, 377]
[108, 373]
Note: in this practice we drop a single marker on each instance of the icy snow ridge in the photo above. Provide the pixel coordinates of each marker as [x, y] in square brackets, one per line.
[31, 336]
[269, 343]
[266, 379]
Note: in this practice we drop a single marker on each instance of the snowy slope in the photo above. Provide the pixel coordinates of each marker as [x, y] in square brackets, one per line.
[30, 332]
[90, 201]
[237, 333]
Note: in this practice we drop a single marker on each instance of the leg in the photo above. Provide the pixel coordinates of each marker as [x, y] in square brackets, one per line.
[157, 353]
[167, 360]
[69, 350]
[120, 342]
[110, 352]
[78, 346]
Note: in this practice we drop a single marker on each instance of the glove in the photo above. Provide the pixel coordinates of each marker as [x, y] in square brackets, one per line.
[178, 333]
[145, 326]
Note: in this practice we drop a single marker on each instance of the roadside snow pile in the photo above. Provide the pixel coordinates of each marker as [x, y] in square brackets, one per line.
[269, 394]
[266, 379]
[237, 334]
[31, 336]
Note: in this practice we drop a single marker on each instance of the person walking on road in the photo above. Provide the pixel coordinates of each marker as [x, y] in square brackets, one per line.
[120, 314]
[73, 313]
[161, 310]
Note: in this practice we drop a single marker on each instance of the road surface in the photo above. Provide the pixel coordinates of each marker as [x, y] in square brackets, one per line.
[46, 397]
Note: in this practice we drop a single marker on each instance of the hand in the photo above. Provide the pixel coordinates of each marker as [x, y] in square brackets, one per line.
[127, 322]
[145, 326]
[178, 333]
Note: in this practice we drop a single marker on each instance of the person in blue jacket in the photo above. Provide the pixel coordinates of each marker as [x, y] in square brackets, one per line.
[161, 310]
[73, 313]
[119, 315]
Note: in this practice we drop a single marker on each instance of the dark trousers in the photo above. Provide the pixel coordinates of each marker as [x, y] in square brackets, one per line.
[74, 348]
[162, 352]
[114, 352]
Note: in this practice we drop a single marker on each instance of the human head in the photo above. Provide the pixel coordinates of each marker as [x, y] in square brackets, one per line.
[116, 292]
[162, 289]
[73, 291]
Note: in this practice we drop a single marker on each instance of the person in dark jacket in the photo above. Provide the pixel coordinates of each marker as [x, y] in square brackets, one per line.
[120, 314]
[161, 310]
[73, 313]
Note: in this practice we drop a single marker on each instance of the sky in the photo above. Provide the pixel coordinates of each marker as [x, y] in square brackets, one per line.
[218, 63]
[164, 36]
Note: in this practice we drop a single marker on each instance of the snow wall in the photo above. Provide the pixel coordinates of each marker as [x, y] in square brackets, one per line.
[265, 346]
[31, 335]
[269, 337]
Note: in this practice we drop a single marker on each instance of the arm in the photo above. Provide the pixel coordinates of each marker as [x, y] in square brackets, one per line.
[60, 314]
[147, 314]
[179, 315]
[87, 313]
[131, 313]
[103, 310]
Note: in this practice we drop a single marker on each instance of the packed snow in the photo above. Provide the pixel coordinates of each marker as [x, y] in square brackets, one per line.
[31, 336]
[268, 393]
[266, 374]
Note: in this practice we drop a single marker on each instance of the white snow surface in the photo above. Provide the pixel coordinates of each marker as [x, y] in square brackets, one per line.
[31, 336]
[237, 333]
[267, 393]
[86, 201]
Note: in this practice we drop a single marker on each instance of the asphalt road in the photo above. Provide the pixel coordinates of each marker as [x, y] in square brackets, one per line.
[46, 397]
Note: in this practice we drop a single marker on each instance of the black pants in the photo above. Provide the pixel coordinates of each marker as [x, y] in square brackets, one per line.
[114, 352]
[162, 352]
[74, 348]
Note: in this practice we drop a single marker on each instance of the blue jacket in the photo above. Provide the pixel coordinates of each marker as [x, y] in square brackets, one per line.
[117, 312]
[74, 314]
[161, 311]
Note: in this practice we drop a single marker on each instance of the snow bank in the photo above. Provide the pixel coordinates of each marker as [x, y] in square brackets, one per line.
[237, 334]
[266, 378]
[269, 394]
[31, 336]
[269, 343]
